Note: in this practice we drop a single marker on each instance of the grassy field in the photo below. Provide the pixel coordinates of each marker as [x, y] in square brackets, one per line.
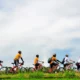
[68, 75]
[44, 79]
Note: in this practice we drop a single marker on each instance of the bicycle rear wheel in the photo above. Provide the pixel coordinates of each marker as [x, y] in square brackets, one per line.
[8, 70]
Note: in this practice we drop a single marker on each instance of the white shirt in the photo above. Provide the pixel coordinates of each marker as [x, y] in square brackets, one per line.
[79, 61]
[67, 60]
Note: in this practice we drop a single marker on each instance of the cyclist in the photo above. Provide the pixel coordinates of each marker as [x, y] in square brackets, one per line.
[36, 63]
[1, 62]
[67, 62]
[54, 63]
[78, 64]
[16, 60]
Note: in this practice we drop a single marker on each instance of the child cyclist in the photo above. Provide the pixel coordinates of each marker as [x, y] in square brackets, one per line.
[37, 64]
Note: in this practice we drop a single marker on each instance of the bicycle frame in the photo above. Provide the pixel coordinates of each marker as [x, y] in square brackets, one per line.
[70, 66]
[19, 66]
[40, 64]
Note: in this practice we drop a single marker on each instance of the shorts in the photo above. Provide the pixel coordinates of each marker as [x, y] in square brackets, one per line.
[36, 65]
[53, 64]
[78, 66]
[16, 62]
[66, 64]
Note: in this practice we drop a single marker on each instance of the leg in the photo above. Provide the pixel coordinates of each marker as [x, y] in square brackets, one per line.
[36, 66]
[65, 66]
[78, 67]
[51, 66]
[55, 66]
[16, 62]
[40, 65]
[69, 66]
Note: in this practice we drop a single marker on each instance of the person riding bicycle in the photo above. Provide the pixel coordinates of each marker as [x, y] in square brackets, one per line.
[54, 63]
[67, 62]
[78, 64]
[16, 60]
[36, 63]
[1, 62]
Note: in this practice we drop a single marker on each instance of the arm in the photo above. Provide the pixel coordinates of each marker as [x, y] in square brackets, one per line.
[41, 61]
[58, 61]
[22, 59]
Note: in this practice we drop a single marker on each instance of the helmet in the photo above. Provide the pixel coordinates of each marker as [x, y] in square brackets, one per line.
[66, 55]
[19, 52]
[37, 55]
[54, 54]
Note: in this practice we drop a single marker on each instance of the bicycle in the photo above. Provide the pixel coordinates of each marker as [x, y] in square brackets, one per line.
[13, 69]
[3, 69]
[41, 68]
[71, 67]
[60, 67]
[57, 68]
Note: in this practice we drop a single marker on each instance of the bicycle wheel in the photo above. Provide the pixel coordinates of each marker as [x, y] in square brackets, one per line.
[31, 69]
[27, 69]
[3, 70]
[74, 69]
[61, 69]
[8, 70]
[23, 70]
[44, 69]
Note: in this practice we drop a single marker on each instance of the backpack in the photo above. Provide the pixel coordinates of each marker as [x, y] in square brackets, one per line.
[49, 60]
[63, 60]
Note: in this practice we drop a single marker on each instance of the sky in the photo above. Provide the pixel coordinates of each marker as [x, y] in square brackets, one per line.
[41, 27]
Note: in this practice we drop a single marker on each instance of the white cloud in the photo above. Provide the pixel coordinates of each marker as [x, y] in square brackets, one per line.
[39, 27]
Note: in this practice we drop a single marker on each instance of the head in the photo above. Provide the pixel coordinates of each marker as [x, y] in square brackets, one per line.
[54, 55]
[19, 52]
[37, 55]
[66, 55]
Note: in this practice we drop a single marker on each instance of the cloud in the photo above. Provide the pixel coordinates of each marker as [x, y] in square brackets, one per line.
[39, 27]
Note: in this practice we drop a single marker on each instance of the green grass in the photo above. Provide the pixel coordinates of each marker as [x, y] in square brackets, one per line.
[45, 79]
[38, 75]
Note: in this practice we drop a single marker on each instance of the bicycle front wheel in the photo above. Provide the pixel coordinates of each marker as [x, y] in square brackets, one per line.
[23, 70]
[61, 69]
[3, 70]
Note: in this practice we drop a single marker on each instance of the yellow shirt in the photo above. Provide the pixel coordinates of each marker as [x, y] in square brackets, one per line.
[53, 59]
[36, 60]
[17, 56]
